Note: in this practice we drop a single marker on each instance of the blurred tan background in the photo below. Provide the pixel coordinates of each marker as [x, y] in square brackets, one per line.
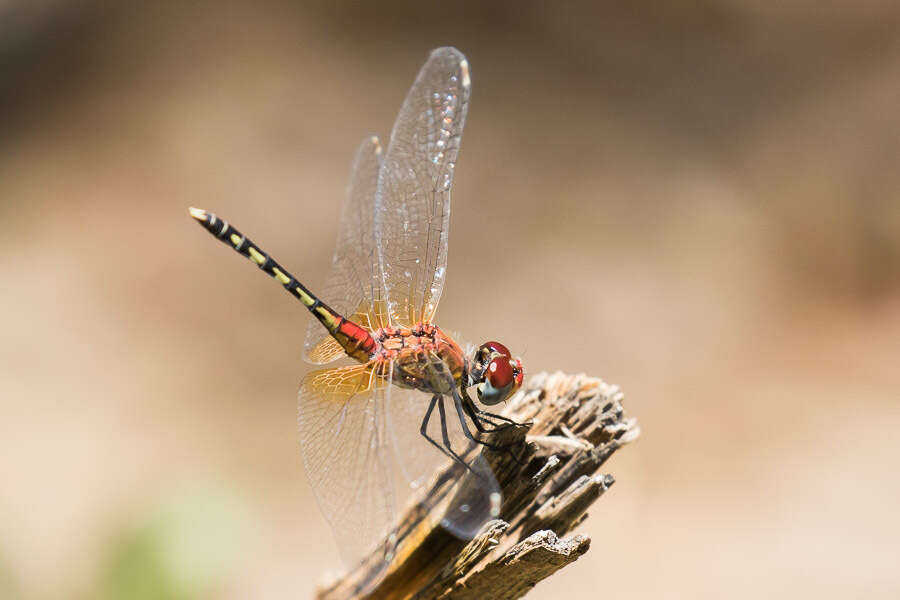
[695, 200]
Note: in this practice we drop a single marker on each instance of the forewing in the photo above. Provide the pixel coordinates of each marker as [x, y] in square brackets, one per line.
[412, 216]
[353, 287]
[346, 454]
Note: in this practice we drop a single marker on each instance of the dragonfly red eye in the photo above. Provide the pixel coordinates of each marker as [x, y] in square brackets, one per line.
[497, 347]
[500, 373]
[519, 373]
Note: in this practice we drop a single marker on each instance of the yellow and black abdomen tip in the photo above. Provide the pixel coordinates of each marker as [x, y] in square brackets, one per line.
[241, 244]
[211, 223]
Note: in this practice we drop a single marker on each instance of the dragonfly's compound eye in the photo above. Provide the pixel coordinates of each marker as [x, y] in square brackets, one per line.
[502, 378]
[499, 373]
[485, 354]
[497, 347]
[518, 373]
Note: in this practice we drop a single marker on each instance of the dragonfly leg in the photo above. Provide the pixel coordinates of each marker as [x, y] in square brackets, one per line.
[479, 420]
[508, 422]
[448, 451]
[461, 410]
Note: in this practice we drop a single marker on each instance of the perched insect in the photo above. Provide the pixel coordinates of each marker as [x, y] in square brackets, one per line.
[386, 280]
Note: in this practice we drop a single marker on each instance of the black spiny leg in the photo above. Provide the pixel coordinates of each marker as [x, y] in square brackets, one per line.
[478, 415]
[446, 436]
[466, 407]
[424, 431]
[461, 411]
[506, 420]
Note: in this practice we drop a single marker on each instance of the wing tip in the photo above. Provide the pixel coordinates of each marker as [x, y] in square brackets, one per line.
[459, 58]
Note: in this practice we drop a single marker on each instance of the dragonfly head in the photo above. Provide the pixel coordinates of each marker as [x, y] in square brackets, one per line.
[495, 373]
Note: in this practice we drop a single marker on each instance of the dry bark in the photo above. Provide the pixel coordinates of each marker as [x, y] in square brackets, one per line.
[574, 423]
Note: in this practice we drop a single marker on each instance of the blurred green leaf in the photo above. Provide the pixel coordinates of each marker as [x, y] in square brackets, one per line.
[182, 550]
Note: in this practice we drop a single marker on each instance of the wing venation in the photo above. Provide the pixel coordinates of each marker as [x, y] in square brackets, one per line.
[412, 217]
[346, 454]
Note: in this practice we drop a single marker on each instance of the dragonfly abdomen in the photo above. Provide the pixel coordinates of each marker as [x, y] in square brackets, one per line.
[356, 341]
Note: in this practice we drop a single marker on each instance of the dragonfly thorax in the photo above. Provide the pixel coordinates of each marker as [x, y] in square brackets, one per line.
[423, 357]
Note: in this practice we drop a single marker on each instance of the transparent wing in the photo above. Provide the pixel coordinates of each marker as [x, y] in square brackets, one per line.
[416, 458]
[475, 498]
[412, 217]
[346, 454]
[353, 287]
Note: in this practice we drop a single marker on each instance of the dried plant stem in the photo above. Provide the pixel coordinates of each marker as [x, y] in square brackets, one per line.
[549, 480]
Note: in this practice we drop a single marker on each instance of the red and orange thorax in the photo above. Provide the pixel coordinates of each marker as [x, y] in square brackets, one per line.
[412, 351]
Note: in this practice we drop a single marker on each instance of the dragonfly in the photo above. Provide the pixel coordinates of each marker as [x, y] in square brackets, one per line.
[403, 401]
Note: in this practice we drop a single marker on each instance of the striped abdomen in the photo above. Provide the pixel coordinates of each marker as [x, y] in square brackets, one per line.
[356, 341]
